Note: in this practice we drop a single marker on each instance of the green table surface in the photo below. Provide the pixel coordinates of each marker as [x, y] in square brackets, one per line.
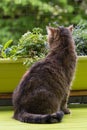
[75, 121]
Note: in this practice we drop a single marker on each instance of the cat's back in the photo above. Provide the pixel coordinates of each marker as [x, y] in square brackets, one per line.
[43, 74]
[42, 65]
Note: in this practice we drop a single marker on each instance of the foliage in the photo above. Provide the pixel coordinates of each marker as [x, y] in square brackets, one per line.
[18, 16]
[80, 36]
[31, 45]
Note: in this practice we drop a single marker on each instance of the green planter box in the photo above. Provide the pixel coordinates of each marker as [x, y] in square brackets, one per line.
[80, 81]
[11, 72]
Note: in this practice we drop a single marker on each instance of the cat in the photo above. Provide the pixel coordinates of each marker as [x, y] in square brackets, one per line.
[42, 94]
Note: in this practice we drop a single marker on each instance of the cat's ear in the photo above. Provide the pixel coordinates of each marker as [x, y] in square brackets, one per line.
[50, 30]
[71, 28]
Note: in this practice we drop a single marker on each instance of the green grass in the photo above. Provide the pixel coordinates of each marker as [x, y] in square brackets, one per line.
[75, 121]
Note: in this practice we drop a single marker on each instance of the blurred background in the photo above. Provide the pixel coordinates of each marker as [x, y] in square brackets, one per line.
[19, 16]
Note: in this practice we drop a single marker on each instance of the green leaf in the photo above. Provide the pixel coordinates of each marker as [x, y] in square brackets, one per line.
[7, 44]
[3, 54]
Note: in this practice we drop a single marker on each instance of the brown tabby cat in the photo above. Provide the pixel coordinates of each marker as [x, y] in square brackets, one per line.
[41, 96]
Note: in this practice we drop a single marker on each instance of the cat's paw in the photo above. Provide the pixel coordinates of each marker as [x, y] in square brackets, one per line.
[66, 111]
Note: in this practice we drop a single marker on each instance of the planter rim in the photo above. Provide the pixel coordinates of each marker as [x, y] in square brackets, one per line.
[8, 60]
[82, 58]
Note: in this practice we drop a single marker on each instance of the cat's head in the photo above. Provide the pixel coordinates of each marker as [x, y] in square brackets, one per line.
[56, 34]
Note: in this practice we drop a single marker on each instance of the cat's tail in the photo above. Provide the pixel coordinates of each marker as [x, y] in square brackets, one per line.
[39, 118]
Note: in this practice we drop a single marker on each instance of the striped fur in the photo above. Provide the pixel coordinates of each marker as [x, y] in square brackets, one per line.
[38, 118]
[44, 89]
